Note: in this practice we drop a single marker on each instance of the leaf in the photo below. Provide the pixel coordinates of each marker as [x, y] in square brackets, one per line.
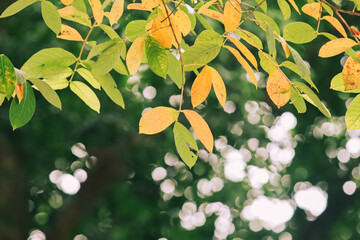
[278, 88]
[352, 116]
[108, 59]
[183, 22]
[73, 14]
[292, 2]
[337, 84]
[232, 15]
[109, 31]
[7, 76]
[335, 47]
[284, 8]
[206, 6]
[263, 5]
[201, 87]
[351, 74]
[183, 138]
[267, 62]
[19, 91]
[57, 84]
[284, 46]
[48, 93]
[219, 86]
[174, 70]
[17, 7]
[156, 56]
[135, 29]
[149, 4]
[263, 19]
[110, 88]
[21, 113]
[2, 98]
[116, 11]
[85, 94]
[88, 76]
[134, 55]
[270, 38]
[203, 22]
[313, 10]
[336, 24]
[79, 5]
[69, 33]
[20, 76]
[314, 99]
[67, 2]
[97, 10]
[293, 67]
[201, 129]
[297, 100]
[250, 38]
[243, 63]
[299, 32]
[303, 68]
[121, 68]
[214, 15]
[51, 16]
[245, 51]
[157, 120]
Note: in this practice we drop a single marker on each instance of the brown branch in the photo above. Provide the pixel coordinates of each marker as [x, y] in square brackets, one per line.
[252, 11]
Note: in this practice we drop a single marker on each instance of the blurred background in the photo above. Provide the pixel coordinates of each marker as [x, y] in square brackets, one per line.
[275, 174]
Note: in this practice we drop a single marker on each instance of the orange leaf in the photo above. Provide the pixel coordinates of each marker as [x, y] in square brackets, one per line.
[136, 6]
[313, 10]
[134, 55]
[219, 86]
[67, 2]
[97, 11]
[232, 15]
[278, 88]
[336, 24]
[66, 11]
[19, 91]
[285, 46]
[157, 119]
[183, 21]
[351, 74]
[292, 2]
[243, 62]
[206, 6]
[201, 87]
[116, 11]
[149, 4]
[69, 33]
[355, 32]
[201, 129]
[214, 14]
[246, 52]
[335, 47]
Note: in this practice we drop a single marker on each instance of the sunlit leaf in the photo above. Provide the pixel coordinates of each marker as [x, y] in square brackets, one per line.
[313, 10]
[48, 93]
[219, 86]
[174, 70]
[7, 76]
[284, 46]
[116, 11]
[86, 94]
[232, 15]
[201, 87]
[297, 100]
[183, 138]
[303, 68]
[284, 8]
[134, 55]
[73, 14]
[278, 88]
[19, 92]
[352, 116]
[57, 83]
[351, 74]
[250, 38]
[336, 24]
[214, 15]
[267, 62]
[67, 2]
[206, 6]
[17, 7]
[183, 22]
[157, 120]
[299, 32]
[335, 47]
[156, 56]
[108, 59]
[292, 2]
[51, 16]
[109, 85]
[135, 29]
[270, 39]
[293, 67]
[149, 4]
[69, 33]
[245, 51]
[263, 19]
[97, 10]
[88, 76]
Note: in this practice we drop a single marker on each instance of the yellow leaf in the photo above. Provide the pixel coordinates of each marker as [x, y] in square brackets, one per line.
[134, 55]
[201, 129]
[201, 87]
[206, 6]
[149, 4]
[67, 2]
[246, 52]
[66, 11]
[336, 24]
[292, 2]
[232, 15]
[214, 14]
[19, 91]
[219, 86]
[243, 62]
[313, 10]
[335, 47]
[157, 120]
[351, 74]
[278, 88]
[97, 11]
[136, 6]
[116, 11]
[285, 46]
[183, 21]
[69, 33]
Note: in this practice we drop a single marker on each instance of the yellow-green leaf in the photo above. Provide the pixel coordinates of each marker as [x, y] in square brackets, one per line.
[183, 138]
[48, 93]
[352, 116]
[86, 94]
[7, 76]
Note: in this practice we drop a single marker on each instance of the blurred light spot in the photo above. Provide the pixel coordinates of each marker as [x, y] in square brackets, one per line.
[149, 92]
[258, 176]
[198, 219]
[204, 187]
[261, 153]
[216, 184]
[133, 79]
[69, 184]
[287, 121]
[145, 110]
[79, 150]
[55, 200]
[41, 218]
[277, 133]
[230, 107]
[312, 199]
[55, 176]
[353, 145]
[237, 128]
[80, 237]
[255, 225]
[81, 175]
[220, 143]
[349, 187]
[167, 186]
[253, 144]
[278, 155]
[171, 159]
[234, 166]
[175, 100]
[254, 118]
[251, 106]
[234, 35]
[37, 235]
[285, 236]
[343, 155]
[162, 239]
[159, 173]
[190, 9]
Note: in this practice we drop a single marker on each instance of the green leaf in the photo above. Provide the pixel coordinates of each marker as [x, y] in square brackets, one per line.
[299, 32]
[21, 113]
[209, 36]
[183, 138]
[110, 88]
[203, 22]
[263, 5]
[135, 29]
[293, 67]
[263, 19]
[297, 100]
[303, 68]
[76, 15]
[109, 31]
[57, 83]
[107, 60]
[250, 38]
[48, 93]
[284, 8]
[314, 99]
[174, 70]
[352, 116]
[328, 9]
[51, 16]
[86, 94]
[20, 76]
[156, 56]
[17, 7]
[337, 84]
[267, 62]
[7, 76]
[270, 38]
[79, 5]
[121, 68]
[52, 58]
[56, 72]
[2, 98]
[98, 49]
[88, 76]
